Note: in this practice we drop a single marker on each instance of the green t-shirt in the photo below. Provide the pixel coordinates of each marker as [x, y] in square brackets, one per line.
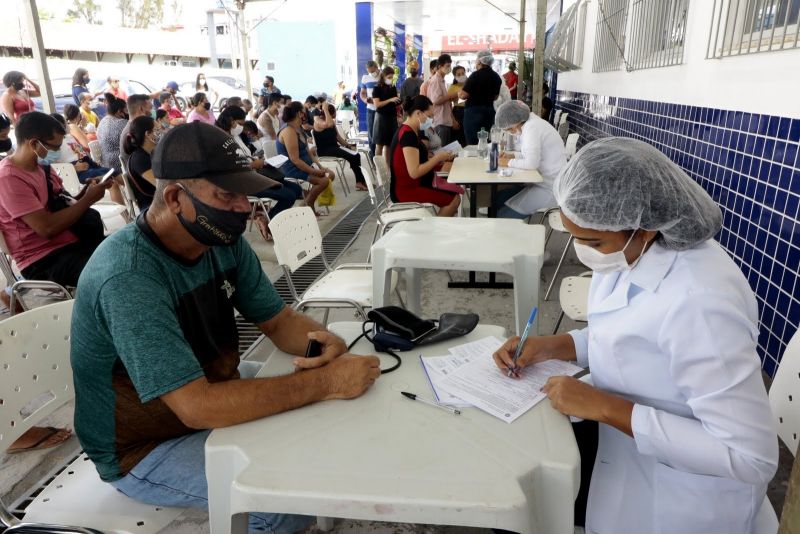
[145, 323]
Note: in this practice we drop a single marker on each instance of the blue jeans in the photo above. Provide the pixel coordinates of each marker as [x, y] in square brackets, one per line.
[475, 118]
[96, 172]
[174, 474]
[285, 197]
[370, 124]
[503, 211]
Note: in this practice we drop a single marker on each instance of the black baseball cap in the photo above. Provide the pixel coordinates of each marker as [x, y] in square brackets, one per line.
[200, 150]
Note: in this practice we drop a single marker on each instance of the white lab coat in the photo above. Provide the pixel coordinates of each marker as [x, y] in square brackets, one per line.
[541, 148]
[677, 336]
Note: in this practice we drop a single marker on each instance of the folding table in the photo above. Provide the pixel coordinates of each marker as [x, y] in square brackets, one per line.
[383, 457]
[461, 244]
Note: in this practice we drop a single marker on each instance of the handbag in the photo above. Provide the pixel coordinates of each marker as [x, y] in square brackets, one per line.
[395, 328]
[89, 227]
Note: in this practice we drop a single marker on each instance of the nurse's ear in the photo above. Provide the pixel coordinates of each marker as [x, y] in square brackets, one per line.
[641, 242]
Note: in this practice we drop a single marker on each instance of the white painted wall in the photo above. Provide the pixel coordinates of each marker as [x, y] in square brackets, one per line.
[766, 83]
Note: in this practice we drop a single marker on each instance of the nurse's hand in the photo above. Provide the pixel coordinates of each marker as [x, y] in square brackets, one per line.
[533, 351]
[571, 396]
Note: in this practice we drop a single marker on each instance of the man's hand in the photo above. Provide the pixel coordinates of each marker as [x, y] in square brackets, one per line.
[332, 347]
[349, 376]
[257, 163]
[81, 166]
[95, 192]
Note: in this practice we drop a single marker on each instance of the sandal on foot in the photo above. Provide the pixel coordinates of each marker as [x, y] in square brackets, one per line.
[40, 438]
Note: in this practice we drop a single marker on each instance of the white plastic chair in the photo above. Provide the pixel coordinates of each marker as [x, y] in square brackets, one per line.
[95, 151]
[20, 286]
[108, 210]
[35, 364]
[571, 145]
[563, 126]
[784, 398]
[340, 163]
[553, 218]
[556, 118]
[127, 189]
[298, 241]
[574, 298]
[382, 179]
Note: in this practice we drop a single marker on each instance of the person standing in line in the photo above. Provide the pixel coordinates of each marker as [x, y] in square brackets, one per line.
[442, 100]
[368, 83]
[480, 91]
[511, 79]
[459, 79]
[411, 86]
[423, 89]
[385, 100]
[18, 97]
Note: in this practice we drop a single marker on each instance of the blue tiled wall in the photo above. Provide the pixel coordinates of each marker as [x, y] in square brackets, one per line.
[749, 164]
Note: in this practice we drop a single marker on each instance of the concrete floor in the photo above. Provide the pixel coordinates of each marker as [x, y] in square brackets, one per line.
[22, 471]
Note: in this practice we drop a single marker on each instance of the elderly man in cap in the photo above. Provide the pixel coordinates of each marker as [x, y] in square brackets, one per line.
[154, 341]
[480, 91]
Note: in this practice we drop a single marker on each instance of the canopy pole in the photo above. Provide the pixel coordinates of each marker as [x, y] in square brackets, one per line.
[40, 56]
[521, 53]
[245, 52]
[538, 57]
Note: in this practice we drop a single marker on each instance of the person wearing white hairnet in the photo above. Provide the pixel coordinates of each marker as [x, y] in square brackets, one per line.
[540, 148]
[687, 441]
[480, 91]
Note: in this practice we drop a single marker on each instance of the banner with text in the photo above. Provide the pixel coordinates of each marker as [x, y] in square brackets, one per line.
[472, 43]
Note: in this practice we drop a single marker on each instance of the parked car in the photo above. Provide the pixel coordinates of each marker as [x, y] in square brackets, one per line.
[61, 100]
[220, 89]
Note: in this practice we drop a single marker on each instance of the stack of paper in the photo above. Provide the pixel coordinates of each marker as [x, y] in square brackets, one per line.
[468, 376]
[453, 148]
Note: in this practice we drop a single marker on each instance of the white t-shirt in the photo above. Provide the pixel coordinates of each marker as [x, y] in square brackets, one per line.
[369, 83]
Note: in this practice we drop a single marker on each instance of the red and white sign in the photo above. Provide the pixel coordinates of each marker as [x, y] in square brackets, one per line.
[473, 43]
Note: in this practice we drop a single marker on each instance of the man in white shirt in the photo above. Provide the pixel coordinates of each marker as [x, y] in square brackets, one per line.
[540, 148]
[368, 83]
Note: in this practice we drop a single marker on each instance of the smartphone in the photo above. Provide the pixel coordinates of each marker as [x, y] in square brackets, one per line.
[313, 349]
[107, 176]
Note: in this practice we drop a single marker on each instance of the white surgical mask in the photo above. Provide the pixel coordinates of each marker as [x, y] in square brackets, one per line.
[375, 74]
[427, 124]
[461, 79]
[237, 130]
[605, 263]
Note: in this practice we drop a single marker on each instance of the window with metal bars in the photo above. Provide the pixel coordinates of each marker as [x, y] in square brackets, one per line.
[564, 51]
[741, 27]
[658, 29]
[609, 44]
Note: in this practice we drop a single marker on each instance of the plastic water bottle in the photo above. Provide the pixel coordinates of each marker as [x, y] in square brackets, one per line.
[494, 156]
[483, 143]
[496, 134]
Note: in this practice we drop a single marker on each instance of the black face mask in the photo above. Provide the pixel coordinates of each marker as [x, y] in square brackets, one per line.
[214, 227]
[19, 86]
[266, 84]
[206, 105]
[5, 145]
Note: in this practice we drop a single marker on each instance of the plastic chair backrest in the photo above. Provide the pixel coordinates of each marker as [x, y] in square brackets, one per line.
[5, 262]
[34, 363]
[270, 148]
[383, 176]
[571, 146]
[95, 151]
[557, 117]
[297, 237]
[127, 191]
[346, 115]
[68, 175]
[784, 395]
[563, 119]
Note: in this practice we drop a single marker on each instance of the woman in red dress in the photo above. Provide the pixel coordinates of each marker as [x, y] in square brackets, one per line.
[412, 171]
[17, 99]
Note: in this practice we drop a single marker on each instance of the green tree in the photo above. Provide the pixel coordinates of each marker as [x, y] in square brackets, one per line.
[141, 13]
[87, 10]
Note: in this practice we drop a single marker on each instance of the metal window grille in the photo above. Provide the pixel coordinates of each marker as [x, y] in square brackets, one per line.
[658, 29]
[609, 46]
[564, 52]
[741, 27]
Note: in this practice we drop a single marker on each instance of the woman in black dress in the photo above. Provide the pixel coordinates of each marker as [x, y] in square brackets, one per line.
[385, 98]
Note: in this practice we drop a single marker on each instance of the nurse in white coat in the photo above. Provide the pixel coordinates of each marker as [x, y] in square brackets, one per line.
[687, 442]
[540, 148]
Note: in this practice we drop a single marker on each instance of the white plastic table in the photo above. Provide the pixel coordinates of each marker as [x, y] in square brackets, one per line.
[460, 244]
[471, 171]
[383, 457]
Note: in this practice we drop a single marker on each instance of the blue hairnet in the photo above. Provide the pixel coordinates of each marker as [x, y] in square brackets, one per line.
[511, 113]
[617, 183]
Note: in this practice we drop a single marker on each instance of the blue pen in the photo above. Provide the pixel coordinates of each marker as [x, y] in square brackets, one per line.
[524, 337]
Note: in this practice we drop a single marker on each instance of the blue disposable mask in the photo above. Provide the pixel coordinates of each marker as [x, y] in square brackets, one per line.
[427, 124]
[52, 155]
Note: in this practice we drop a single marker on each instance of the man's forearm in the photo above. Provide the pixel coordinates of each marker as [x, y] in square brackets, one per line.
[290, 332]
[232, 402]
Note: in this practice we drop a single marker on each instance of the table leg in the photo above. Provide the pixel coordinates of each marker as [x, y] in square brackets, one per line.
[381, 279]
[473, 212]
[526, 289]
[413, 290]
